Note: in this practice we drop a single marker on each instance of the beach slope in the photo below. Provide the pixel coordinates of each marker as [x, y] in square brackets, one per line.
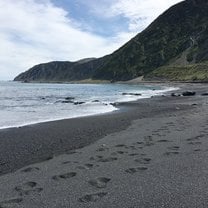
[151, 153]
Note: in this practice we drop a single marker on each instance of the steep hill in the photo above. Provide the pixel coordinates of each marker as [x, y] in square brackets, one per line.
[59, 71]
[177, 38]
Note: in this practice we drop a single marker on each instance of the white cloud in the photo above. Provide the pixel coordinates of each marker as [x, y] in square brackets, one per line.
[35, 31]
[139, 12]
[32, 32]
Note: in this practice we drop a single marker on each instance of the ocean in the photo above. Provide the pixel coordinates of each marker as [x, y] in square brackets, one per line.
[29, 103]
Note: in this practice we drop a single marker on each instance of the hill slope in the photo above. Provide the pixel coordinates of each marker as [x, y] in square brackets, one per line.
[58, 71]
[178, 37]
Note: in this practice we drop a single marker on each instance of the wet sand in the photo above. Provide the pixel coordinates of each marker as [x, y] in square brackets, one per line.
[151, 153]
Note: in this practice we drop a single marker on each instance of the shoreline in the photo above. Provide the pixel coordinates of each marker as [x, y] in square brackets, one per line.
[151, 146]
[58, 133]
[164, 89]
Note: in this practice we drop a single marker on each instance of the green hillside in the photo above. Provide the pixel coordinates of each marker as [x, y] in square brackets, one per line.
[176, 39]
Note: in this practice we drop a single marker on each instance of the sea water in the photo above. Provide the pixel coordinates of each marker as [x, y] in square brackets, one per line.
[29, 103]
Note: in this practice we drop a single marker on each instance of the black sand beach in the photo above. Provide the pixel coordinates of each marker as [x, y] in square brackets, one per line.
[150, 153]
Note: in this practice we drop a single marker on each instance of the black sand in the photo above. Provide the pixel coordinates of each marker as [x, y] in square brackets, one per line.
[151, 153]
[34, 143]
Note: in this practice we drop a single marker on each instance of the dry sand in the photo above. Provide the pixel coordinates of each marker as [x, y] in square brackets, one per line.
[151, 153]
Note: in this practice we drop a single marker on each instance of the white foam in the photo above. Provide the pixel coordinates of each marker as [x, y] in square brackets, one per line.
[37, 110]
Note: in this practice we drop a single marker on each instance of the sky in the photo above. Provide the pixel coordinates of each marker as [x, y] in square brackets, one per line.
[39, 31]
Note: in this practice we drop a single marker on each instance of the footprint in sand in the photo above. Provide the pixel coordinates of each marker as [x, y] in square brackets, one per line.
[135, 170]
[99, 182]
[170, 123]
[107, 159]
[97, 157]
[179, 130]
[197, 150]
[163, 140]
[140, 143]
[174, 148]
[66, 162]
[30, 169]
[102, 149]
[132, 147]
[2, 163]
[120, 145]
[12, 202]
[118, 153]
[71, 152]
[195, 138]
[87, 166]
[148, 141]
[144, 161]
[163, 128]
[81, 167]
[122, 152]
[92, 197]
[171, 153]
[69, 162]
[133, 154]
[64, 176]
[28, 188]
[49, 157]
[195, 143]
[100, 158]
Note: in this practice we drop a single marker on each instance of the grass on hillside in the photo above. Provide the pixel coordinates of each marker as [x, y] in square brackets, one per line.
[195, 72]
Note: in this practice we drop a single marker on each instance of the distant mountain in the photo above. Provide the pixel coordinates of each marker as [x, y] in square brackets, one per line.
[174, 44]
[59, 71]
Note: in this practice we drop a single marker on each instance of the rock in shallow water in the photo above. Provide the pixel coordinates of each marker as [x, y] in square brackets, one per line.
[135, 94]
[78, 103]
[189, 93]
[95, 101]
[204, 94]
[69, 98]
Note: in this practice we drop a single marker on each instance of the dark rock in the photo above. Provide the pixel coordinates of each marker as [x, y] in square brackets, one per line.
[69, 98]
[95, 101]
[78, 103]
[189, 93]
[204, 94]
[136, 94]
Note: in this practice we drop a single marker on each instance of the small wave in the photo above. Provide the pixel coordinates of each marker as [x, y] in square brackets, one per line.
[56, 104]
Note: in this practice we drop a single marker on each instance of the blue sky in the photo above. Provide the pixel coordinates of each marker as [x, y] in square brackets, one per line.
[87, 14]
[37, 31]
